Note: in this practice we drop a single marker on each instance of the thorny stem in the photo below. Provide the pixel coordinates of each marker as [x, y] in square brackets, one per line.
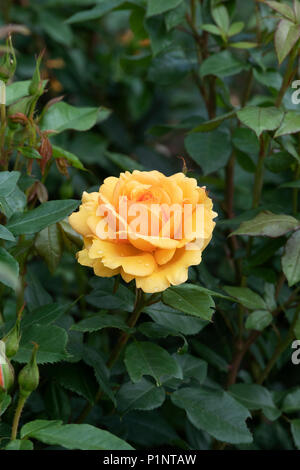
[121, 343]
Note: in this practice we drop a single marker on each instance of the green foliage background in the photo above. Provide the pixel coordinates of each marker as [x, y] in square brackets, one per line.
[138, 84]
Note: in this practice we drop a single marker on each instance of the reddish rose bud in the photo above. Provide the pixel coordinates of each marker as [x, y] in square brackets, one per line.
[45, 151]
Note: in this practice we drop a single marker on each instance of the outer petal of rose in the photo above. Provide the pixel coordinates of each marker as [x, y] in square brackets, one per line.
[78, 221]
[163, 256]
[108, 187]
[148, 243]
[92, 222]
[114, 255]
[84, 259]
[103, 271]
[175, 272]
[125, 276]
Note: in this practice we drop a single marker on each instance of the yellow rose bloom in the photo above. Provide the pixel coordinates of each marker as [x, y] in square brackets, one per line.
[145, 226]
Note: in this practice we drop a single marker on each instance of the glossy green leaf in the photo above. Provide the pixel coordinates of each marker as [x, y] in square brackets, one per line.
[215, 412]
[48, 244]
[259, 320]
[174, 319]
[246, 297]
[37, 219]
[62, 116]
[291, 259]
[210, 150]
[191, 300]
[73, 436]
[145, 358]
[222, 64]
[5, 234]
[252, 396]
[286, 36]
[290, 124]
[52, 341]
[143, 395]
[268, 225]
[74, 161]
[100, 321]
[291, 403]
[156, 7]
[9, 269]
[295, 429]
[260, 119]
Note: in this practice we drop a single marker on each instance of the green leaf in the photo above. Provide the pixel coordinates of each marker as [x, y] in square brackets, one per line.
[104, 296]
[73, 436]
[74, 161]
[213, 123]
[100, 321]
[246, 297]
[5, 234]
[220, 15]
[29, 152]
[282, 8]
[48, 244]
[279, 161]
[191, 300]
[94, 13]
[286, 36]
[235, 28]
[19, 444]
[245, 140]
[44, 315]
[291, 259]
[9, 269]
[209, 150]
[291, 403]
[143, 395]
[215, 412]
[8, 182]
[243, 45]
[192, 367]
[52, 341]
[156, 7]
[260, 119]
[259, 320]
[143, 358]
[123, 161]
[178, 321]
[290, 124]
[37, 219]
[211, 28]
[295, 429]
[254, 397]
[62, 116]
[222, 64]
[267, 224]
